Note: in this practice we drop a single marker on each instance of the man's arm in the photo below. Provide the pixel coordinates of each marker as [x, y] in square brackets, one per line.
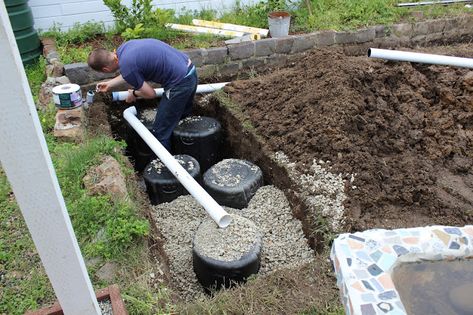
[146, 91]
[107, 86]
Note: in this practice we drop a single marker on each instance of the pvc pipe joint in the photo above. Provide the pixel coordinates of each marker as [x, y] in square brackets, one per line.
[216, 212]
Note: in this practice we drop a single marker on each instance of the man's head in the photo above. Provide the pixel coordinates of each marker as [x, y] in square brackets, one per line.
[103, 60]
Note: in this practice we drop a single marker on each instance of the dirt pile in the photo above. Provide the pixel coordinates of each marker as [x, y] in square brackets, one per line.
[405, 131]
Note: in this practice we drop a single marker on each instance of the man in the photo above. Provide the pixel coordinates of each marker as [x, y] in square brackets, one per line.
[145, 60]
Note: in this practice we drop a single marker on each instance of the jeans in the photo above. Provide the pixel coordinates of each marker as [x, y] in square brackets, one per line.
[176, 104]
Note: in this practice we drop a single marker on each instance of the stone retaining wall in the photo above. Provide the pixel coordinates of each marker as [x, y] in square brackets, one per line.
[231, 60]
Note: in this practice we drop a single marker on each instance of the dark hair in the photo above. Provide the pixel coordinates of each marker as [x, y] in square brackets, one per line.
[98, 59]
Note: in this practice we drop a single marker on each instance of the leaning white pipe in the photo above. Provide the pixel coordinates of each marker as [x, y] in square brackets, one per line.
[396, 55]
[216, 212]
[201, 88]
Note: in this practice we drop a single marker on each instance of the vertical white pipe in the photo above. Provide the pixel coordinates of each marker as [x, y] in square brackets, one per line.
[397, 55]
[216, 212]
[25, 158]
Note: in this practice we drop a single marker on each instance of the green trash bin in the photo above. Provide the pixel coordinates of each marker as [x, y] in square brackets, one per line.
[27, 39]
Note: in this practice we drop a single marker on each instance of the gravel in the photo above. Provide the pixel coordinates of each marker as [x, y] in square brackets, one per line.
[230, 172]
[147, 115]
[283, 242]
[322, 191]
[106, 307]
[226, 244]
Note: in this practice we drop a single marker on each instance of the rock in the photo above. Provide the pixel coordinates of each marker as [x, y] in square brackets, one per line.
[69, 125]
[107, 272]
[46, 91]
[468, 81]
[460, 297]
[58, 68]
[106, 178]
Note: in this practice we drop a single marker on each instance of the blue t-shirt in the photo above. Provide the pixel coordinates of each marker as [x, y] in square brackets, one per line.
[151, 60]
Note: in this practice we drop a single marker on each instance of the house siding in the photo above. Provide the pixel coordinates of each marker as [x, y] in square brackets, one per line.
[65, 13]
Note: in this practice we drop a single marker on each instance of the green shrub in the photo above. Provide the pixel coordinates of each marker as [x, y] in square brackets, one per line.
[133, 33]
[140, 11]
[77, 34]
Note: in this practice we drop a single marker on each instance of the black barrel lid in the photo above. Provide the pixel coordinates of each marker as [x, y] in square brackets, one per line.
[197, 125]
[157, 169]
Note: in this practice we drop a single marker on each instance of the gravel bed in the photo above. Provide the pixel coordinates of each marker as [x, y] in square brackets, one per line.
[147, 115]
[226, 244]
[283, 242]
[106, 307]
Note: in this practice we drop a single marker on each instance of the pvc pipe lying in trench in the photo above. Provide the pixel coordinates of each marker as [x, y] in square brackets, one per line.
[201, 88]
[420, 58]
[216, 212]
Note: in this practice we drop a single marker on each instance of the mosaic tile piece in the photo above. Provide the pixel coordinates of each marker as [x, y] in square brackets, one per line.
[453, 230]
[368, 297]
[454, 245]
[376, 255]
[352, 236]
[388, 295]
[400, 250]
[367, 309]
[374, 270]
[367, 285]
[385, 307]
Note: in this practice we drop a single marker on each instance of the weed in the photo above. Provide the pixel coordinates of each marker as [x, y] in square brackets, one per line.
[35, 74]
[77, 34]
[71, 54]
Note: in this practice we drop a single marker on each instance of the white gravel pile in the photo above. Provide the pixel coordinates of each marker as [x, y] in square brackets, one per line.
[226, 244]
[283, 242]
[322, 190]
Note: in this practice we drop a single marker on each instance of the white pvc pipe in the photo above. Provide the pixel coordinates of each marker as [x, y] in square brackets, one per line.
[201, 88]
[216, 212]
[415, 4]
[420, 58]
[231, 27]
[204, 30]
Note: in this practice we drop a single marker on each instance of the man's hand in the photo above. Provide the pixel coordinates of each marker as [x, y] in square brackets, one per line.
[130, 98]
[103, 86]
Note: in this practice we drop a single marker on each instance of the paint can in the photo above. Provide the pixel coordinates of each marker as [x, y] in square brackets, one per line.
[67, 96]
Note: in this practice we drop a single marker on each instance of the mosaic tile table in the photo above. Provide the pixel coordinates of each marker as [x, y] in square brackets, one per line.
[364, 261]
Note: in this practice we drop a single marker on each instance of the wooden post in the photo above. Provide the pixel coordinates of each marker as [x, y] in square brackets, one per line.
[25, 158]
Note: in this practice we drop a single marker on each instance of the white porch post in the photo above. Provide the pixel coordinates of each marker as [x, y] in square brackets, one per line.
[24, 157]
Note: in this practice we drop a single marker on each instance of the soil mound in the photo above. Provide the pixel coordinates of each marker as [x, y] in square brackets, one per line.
[405, 130]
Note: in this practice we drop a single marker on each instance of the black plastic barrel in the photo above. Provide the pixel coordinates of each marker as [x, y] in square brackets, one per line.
[215, 273]
[233, 182]
[162, 185]
[27, 39]
[200, 137]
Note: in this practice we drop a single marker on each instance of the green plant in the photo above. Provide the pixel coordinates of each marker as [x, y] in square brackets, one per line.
[140, 11]
[77, 34]
[71, 54]
[133, 33]
[36, 75]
